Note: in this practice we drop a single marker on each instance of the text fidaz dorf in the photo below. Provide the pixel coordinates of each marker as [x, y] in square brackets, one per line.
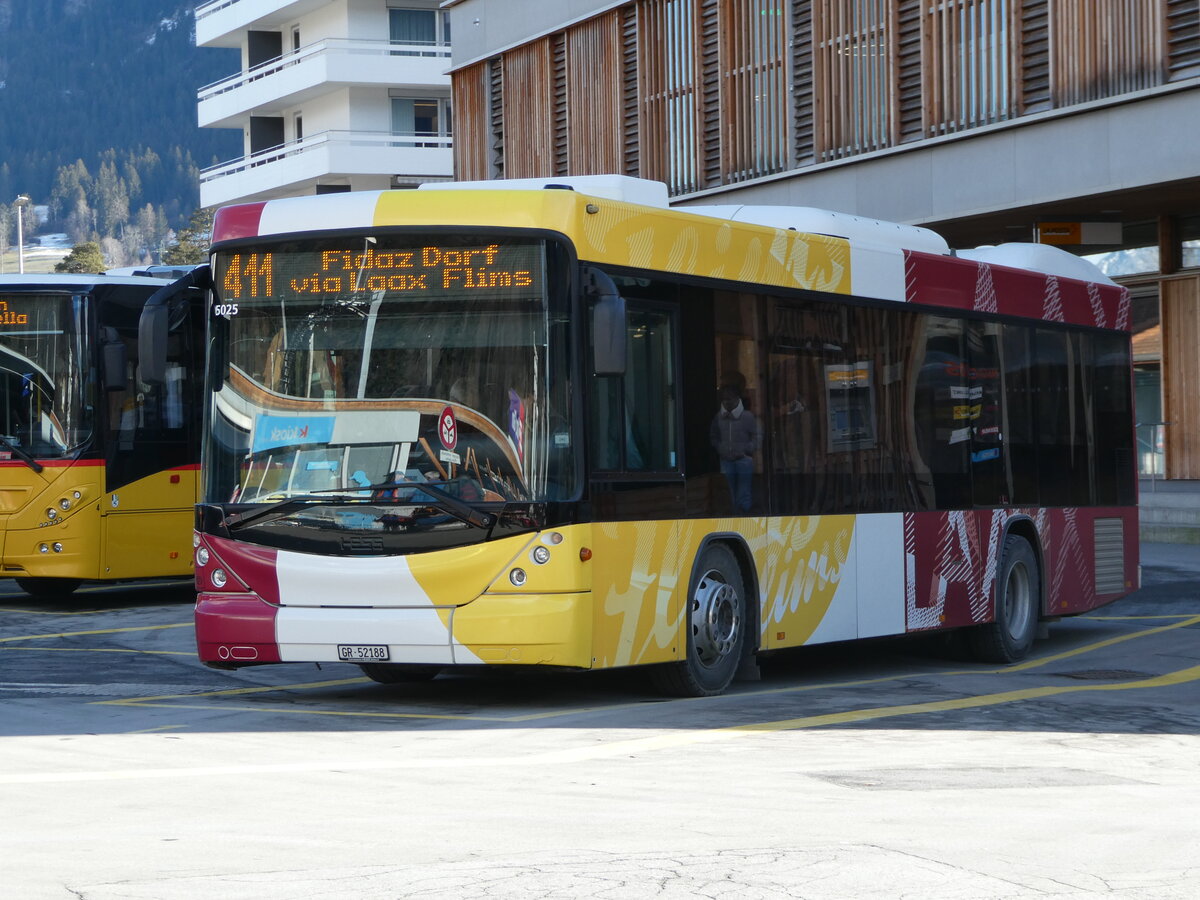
[344, 271]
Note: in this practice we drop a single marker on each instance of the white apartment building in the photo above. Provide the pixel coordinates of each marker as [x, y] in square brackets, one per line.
[333, 95]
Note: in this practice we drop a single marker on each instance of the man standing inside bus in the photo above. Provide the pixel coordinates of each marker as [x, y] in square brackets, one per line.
[736, 436]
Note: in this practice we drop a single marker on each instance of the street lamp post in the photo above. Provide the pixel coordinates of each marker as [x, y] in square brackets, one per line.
[22, 201]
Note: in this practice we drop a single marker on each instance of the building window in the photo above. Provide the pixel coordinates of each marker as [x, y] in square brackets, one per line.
[1137, 255]
[667, 69]
[967, 64]
[419, 26]
[754, 88]
[416, 117]
[853, 50]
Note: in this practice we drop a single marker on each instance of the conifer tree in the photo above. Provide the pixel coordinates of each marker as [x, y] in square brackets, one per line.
[85, 257]
[191, 244]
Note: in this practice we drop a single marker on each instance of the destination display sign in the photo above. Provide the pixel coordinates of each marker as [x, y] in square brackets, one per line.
[428, 270]
[14, 312]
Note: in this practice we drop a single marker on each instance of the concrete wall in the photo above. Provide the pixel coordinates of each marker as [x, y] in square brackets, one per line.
[481, 28]
[1041, 159]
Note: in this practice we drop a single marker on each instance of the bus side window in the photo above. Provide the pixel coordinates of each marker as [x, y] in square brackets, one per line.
[633, 416]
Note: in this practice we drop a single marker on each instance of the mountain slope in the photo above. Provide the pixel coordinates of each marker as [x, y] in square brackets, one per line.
[81, 77]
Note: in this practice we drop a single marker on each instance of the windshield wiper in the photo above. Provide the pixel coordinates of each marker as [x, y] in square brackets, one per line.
[20, 454]
[434, 497]
[447, 503]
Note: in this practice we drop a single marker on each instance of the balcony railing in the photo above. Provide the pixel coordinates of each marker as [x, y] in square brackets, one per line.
[311, 51]
[326, 140]
[207, 9]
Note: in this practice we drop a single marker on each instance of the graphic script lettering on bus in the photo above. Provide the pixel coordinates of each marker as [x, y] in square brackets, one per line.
[429, 270]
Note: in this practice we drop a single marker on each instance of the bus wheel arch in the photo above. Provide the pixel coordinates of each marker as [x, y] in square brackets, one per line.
[720, 621]
[48, 587]
[1017, 602]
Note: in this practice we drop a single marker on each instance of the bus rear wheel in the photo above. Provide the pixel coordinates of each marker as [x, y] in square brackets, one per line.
[716, 628]
[1018, 605]
[399, 673]
[48, 587]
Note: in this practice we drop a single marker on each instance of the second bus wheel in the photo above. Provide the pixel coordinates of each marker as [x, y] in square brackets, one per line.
[1018, 605]
[48, 587]
[399, 673]
[716, 628]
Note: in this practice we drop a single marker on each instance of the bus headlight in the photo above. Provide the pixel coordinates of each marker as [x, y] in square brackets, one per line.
[202, 556]
[43, 548]
[52, 513]
[218, 578]
[517, 577]
[64, 504]
[57, 547]
[540, 555]
[195, 539]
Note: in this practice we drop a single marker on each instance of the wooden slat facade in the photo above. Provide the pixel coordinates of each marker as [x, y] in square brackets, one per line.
[1180, 311]
[702, 93]
[469, 92]
[528, 120]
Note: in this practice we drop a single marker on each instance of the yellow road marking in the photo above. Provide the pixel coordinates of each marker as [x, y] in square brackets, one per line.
[74, 612]
[793, 689]
[191, 653]
[152, 730]
[61, 634]
[612, 749]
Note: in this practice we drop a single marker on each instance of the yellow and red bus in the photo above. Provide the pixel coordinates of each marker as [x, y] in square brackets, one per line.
[481, 425]
[97, 467]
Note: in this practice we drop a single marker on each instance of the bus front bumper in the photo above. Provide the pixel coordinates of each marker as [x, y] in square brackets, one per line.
[495, 629]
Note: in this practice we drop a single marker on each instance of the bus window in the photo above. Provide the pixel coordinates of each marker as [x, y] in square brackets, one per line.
[634, 416]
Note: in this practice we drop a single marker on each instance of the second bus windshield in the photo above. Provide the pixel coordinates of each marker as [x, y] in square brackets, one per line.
[356, 361]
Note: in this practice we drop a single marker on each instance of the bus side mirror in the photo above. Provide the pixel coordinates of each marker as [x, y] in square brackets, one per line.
[154, 325]
[608, 322]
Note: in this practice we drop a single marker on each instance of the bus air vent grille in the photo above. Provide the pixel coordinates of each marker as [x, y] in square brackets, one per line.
[1110, 555]
[361, 546]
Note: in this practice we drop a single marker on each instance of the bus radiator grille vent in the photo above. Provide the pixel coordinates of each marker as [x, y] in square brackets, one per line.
[361, 546]
[1109, 535]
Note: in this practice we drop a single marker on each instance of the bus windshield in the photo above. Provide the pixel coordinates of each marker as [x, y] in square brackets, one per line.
[355, 368]
[42, 413]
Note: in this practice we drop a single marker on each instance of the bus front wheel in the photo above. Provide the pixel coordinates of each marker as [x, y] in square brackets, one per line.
[48, 587]
[716, 628]
[398, 673]
[1018, 604]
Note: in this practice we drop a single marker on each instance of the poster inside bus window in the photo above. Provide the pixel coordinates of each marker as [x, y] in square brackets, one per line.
[428, 270]
[850, 392]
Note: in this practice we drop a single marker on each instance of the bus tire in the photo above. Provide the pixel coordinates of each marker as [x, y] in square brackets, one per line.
[716, 628]
[1018, 605]
[48, 587]
[399, 673]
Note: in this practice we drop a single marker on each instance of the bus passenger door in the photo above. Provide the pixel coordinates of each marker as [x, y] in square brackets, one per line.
[152, 449]
[636, 490]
